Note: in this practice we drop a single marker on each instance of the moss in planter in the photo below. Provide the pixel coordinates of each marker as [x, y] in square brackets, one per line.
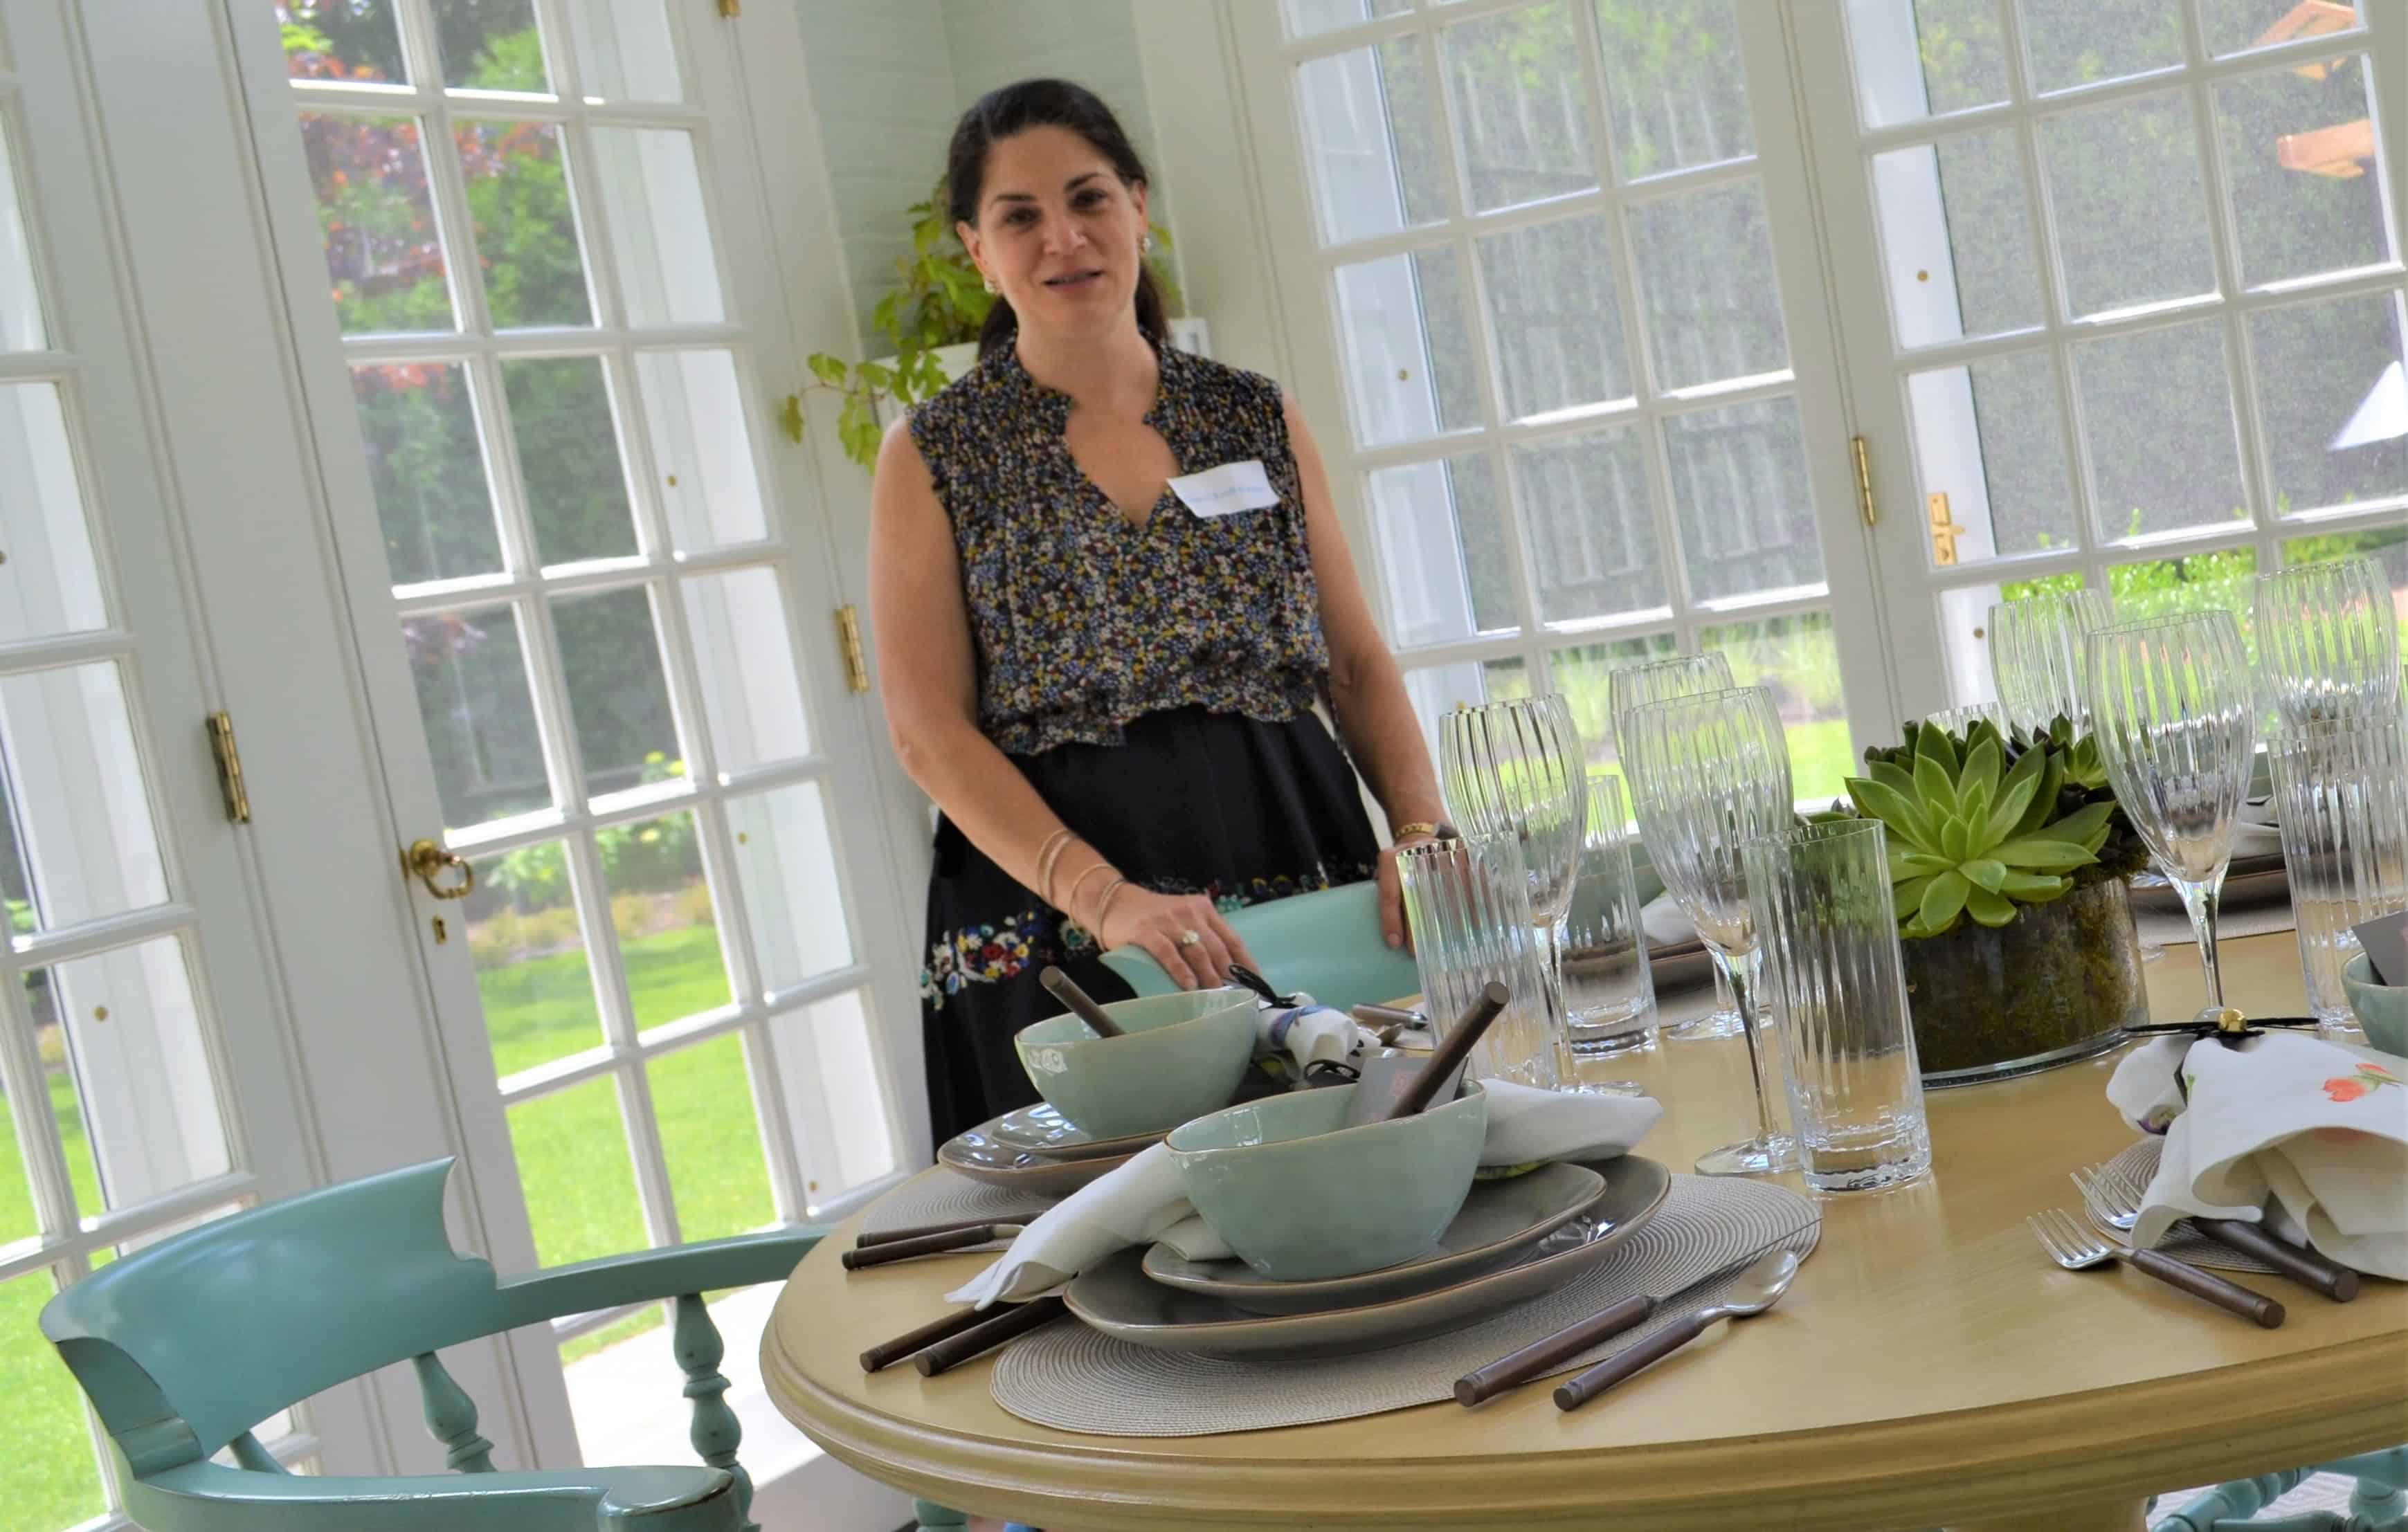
[2058, 975]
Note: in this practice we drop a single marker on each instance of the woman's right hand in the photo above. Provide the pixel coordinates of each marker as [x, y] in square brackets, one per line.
[1158, 922]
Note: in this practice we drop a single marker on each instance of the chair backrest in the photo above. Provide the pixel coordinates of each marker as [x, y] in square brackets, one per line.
[188, 1344]
[1326, 943]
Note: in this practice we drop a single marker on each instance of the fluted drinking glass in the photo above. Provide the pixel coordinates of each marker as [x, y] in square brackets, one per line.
[1514, 767]
[2341, 796]
[1609, 991]
[2037, 658]
[1468, 901]
[2327, 642]
[1635, 685]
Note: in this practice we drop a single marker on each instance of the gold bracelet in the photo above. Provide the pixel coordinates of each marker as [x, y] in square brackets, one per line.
[1047, 854]
[1420, 829]
[1104, 908]
[1099, 864]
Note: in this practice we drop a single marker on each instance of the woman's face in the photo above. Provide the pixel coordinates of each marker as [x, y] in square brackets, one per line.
[1057, 231]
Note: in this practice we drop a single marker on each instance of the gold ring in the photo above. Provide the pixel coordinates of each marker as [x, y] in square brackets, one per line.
[1191, 938]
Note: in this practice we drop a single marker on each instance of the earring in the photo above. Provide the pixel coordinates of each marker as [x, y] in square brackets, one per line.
[989, 283]
[1145, 246]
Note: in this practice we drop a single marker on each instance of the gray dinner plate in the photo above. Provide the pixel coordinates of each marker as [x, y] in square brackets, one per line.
[1498, 1217]
[1120, 1300]
[1042, 1130]
[981, 1157]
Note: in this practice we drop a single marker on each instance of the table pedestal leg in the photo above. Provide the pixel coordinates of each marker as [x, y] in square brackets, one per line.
[2099, 1516]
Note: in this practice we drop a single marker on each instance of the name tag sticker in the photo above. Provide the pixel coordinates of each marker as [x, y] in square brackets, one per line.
[1227, 490]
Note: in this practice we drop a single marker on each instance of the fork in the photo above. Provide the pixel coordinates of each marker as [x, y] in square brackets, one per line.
[2115, 1204]
[2077, 1249]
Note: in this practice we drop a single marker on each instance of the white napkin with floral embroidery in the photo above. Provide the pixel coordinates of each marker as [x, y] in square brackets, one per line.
[2308, 1135]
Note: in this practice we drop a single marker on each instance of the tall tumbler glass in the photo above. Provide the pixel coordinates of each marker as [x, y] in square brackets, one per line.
[2037, 657]
[1831, 965]
[2341, 794]
[1609, 991]
[2175, 714]
[1961, 718]
[1634, 685]
[2328, 641]
[1514, 768]
[1710, 773]
[1468, 902]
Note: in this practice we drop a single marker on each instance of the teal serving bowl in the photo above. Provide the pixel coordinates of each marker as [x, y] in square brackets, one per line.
[1183, 1057]
[1299, 1197]
[2382, 1009]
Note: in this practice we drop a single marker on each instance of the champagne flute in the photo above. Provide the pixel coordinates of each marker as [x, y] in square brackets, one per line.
[1709, 774]
[1514, 767]
[2037, 658]
[1634, 685]
[2327, 642]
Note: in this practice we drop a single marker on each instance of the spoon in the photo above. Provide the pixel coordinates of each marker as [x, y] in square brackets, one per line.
[1066, 989]
[1756, 1289]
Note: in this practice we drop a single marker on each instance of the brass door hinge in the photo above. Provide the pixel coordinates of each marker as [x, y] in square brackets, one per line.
[229, 757]
[1865, 484]
[1945, 530]
[731, 8]
[848, 633]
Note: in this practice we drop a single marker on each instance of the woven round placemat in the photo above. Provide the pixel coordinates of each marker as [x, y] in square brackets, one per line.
[1075, 1378]
[943, 1196]
[2130, 1174]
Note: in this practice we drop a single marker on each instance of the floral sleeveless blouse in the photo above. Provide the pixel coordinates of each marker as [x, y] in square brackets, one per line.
[1083, 621]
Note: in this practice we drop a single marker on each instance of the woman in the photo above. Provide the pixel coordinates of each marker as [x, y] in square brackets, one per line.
[1103, 673]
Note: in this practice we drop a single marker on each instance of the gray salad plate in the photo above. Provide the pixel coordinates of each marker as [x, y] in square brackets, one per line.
[1118, 1298]
[982, 1157]
[1042, 1130]
[1498, 1217]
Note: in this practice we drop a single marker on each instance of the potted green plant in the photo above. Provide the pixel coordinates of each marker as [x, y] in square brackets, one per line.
[2009, 862]
[932, 317]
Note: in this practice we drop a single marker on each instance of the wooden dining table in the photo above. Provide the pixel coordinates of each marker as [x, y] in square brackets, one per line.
[1929, 1368]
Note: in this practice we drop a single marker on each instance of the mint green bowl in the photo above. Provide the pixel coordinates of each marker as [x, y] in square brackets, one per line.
[1183, 1057]
[1299, 1197]
[2382, 1009]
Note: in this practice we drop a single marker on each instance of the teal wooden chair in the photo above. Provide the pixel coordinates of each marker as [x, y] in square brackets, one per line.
[2377, 1503]
[186, 1346]
[1326, 943]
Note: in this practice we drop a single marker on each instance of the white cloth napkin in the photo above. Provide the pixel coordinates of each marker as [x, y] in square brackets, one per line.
[2309, 1135]
[1142, 1201]
[1665, 924]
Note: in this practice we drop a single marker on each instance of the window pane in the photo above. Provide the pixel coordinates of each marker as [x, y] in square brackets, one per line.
[1307, 17]
[382, 255]
[2081, 42]
[76, 785]
[2132, 217]
[1740, 497]
[568, 455]
[744, 655]
[48, 1476]
[17, 1219]
[711, 1135]
[417, 423]
[1408, 336]
[701, 446]
[351, 40]
[63, 1098]
[489, 45]
[1521, 113]
[580, 1186]
[2331, 392]
[1676, 91]
[2217, 582]
[785, 864]
[1705, 265]
[1986, 437]
[1798, 659]
[1583, 674]
[1956, 239]
[21, 307]
[141, 1084]
[611, 659]
[1370, 132]
[533, 975]
[1438, 689]
[526, 232]
[2236, 26]
[828, 1072]
[660, 905]
[660, 232]
[1556, 316]
[1441, 545]
[480, 730]
[2386, 546]
[624, 51]
[49, 584]
[1589, 524]
[2156, 409]
[1919, 58]
[2299, 147]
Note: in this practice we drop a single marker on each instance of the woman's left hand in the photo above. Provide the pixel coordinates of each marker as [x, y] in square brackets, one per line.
[1391, 898]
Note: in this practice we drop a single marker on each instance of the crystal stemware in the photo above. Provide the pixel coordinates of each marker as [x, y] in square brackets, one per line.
[1634, 685]
[2036, 655]
[1514, 767]
[2327, 642]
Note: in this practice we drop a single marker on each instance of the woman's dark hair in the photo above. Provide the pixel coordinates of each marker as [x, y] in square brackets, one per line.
[1040, 104]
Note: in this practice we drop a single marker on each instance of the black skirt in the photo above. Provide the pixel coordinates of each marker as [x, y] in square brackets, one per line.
[1194, 801]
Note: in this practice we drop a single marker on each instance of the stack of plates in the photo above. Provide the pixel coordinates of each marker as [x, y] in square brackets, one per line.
[1515, 1240]
[1037, 1151]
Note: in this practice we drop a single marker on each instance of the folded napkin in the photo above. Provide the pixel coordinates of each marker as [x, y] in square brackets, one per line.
[2307, 1135]
[1665, 923]
[1142, 1201]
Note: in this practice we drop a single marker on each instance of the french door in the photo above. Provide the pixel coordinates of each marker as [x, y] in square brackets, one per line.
[527, 256]
[2122, 295]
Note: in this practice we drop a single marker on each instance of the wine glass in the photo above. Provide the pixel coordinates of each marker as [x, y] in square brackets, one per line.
[2327, 642]
[1634, 685]
[2175, 715]
[2036, 655]
[1709, 773]
[1514, 767]
[1961, 718]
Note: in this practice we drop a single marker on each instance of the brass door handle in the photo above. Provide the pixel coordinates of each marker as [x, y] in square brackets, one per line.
[426, 861]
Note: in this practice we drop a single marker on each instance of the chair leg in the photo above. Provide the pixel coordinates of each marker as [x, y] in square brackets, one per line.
[2377, 1503]
[452, 1415]
[933, 1517]
[716, 1432]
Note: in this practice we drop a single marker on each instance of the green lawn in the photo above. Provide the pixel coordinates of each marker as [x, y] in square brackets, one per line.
[48, 1474]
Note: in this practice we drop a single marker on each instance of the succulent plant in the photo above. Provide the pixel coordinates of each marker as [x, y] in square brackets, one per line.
[1982, 823]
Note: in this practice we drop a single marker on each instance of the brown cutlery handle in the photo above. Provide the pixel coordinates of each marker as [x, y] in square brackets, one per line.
[2206, 1284]
[1019, 1319]
[1663, 1343]
[2304, 1266]
[887, 1353]
[1066, 989]
[888, 1237]
[928, 1244]
[1451, 1051]
[1376, 1016]
[1538, 1356]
